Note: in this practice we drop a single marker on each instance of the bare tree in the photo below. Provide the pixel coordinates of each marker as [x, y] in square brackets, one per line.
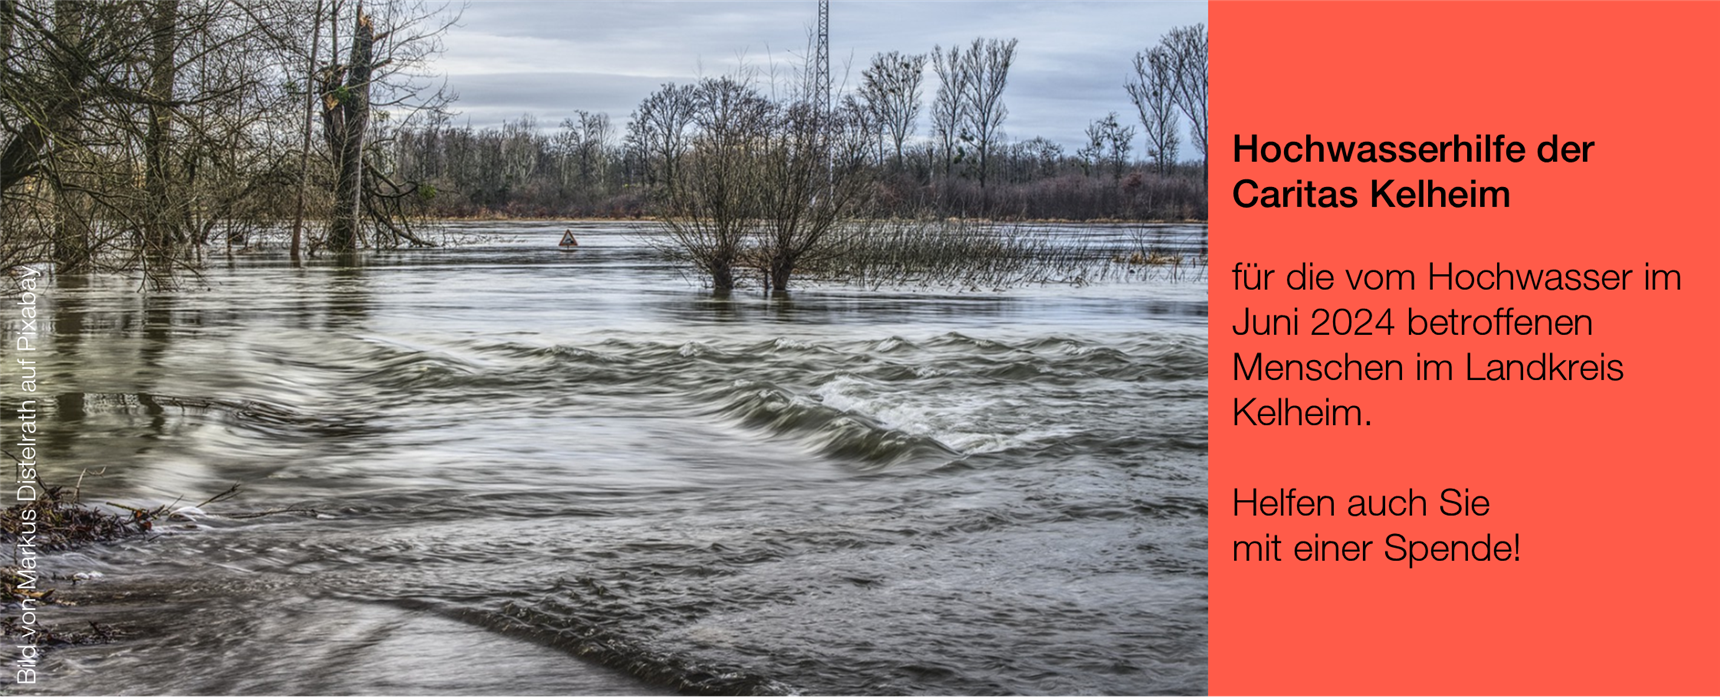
[163, 227]
[8, 21]
[232, 140]
[1108, 143]
[591, 153]
[305, 144]
[1152, 89]
[346, 121]
[988, 63]
[950, 106]
[766, 184]
[712, 198]
[390, 47]
[582, 152]
[658, 132]
[890, 89]
[520, 149]
[814, 177]
[72, 157]
[1042, 157]
[133, 130]
[87, 95]
[1186, 47]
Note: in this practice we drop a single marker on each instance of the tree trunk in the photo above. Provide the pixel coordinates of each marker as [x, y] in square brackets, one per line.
[162, 236]
[71, 209]
[311, 84]
[352, 102]
[19, 158]
[779, 275]
[722, 279]
[8, 20]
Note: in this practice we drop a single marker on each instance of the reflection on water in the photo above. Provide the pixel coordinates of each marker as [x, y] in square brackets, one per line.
[529, 470]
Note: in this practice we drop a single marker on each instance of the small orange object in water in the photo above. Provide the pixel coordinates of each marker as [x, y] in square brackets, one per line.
[567, 239]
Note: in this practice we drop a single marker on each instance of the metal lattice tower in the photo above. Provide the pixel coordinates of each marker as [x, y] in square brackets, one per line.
[821, 61]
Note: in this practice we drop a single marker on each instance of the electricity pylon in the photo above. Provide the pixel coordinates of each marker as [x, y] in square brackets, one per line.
[821, 62]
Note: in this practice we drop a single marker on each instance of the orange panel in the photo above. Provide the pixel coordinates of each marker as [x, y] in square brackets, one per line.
[1603, 488]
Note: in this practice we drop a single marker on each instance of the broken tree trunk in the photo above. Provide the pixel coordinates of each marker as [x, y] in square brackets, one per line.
[346, 113]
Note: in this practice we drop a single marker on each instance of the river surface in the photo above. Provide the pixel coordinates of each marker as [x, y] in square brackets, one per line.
[505, 468]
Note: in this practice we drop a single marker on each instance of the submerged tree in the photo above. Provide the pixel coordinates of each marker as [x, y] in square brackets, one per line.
[346, 119]
[162, 223]
[764, 183]
[386, 48]
[815, 177]
[310, 100]
[713, 199]
[103, 128]
[132, 132]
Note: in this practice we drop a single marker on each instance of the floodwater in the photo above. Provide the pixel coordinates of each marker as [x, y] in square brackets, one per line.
[505, 468]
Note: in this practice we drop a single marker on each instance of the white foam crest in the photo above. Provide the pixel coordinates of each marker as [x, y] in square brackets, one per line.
[958, 422]
[792, 344]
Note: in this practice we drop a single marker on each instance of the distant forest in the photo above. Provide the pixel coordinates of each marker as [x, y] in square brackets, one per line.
[585, 169]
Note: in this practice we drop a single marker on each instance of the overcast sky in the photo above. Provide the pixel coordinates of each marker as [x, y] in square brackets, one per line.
[552, 58]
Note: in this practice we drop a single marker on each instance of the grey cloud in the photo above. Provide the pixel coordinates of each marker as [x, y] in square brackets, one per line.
[552, 58]
[549, 96]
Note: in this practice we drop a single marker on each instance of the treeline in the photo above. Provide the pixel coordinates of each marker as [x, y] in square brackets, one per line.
[138, 133]
[522, 170]
[961, 165]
